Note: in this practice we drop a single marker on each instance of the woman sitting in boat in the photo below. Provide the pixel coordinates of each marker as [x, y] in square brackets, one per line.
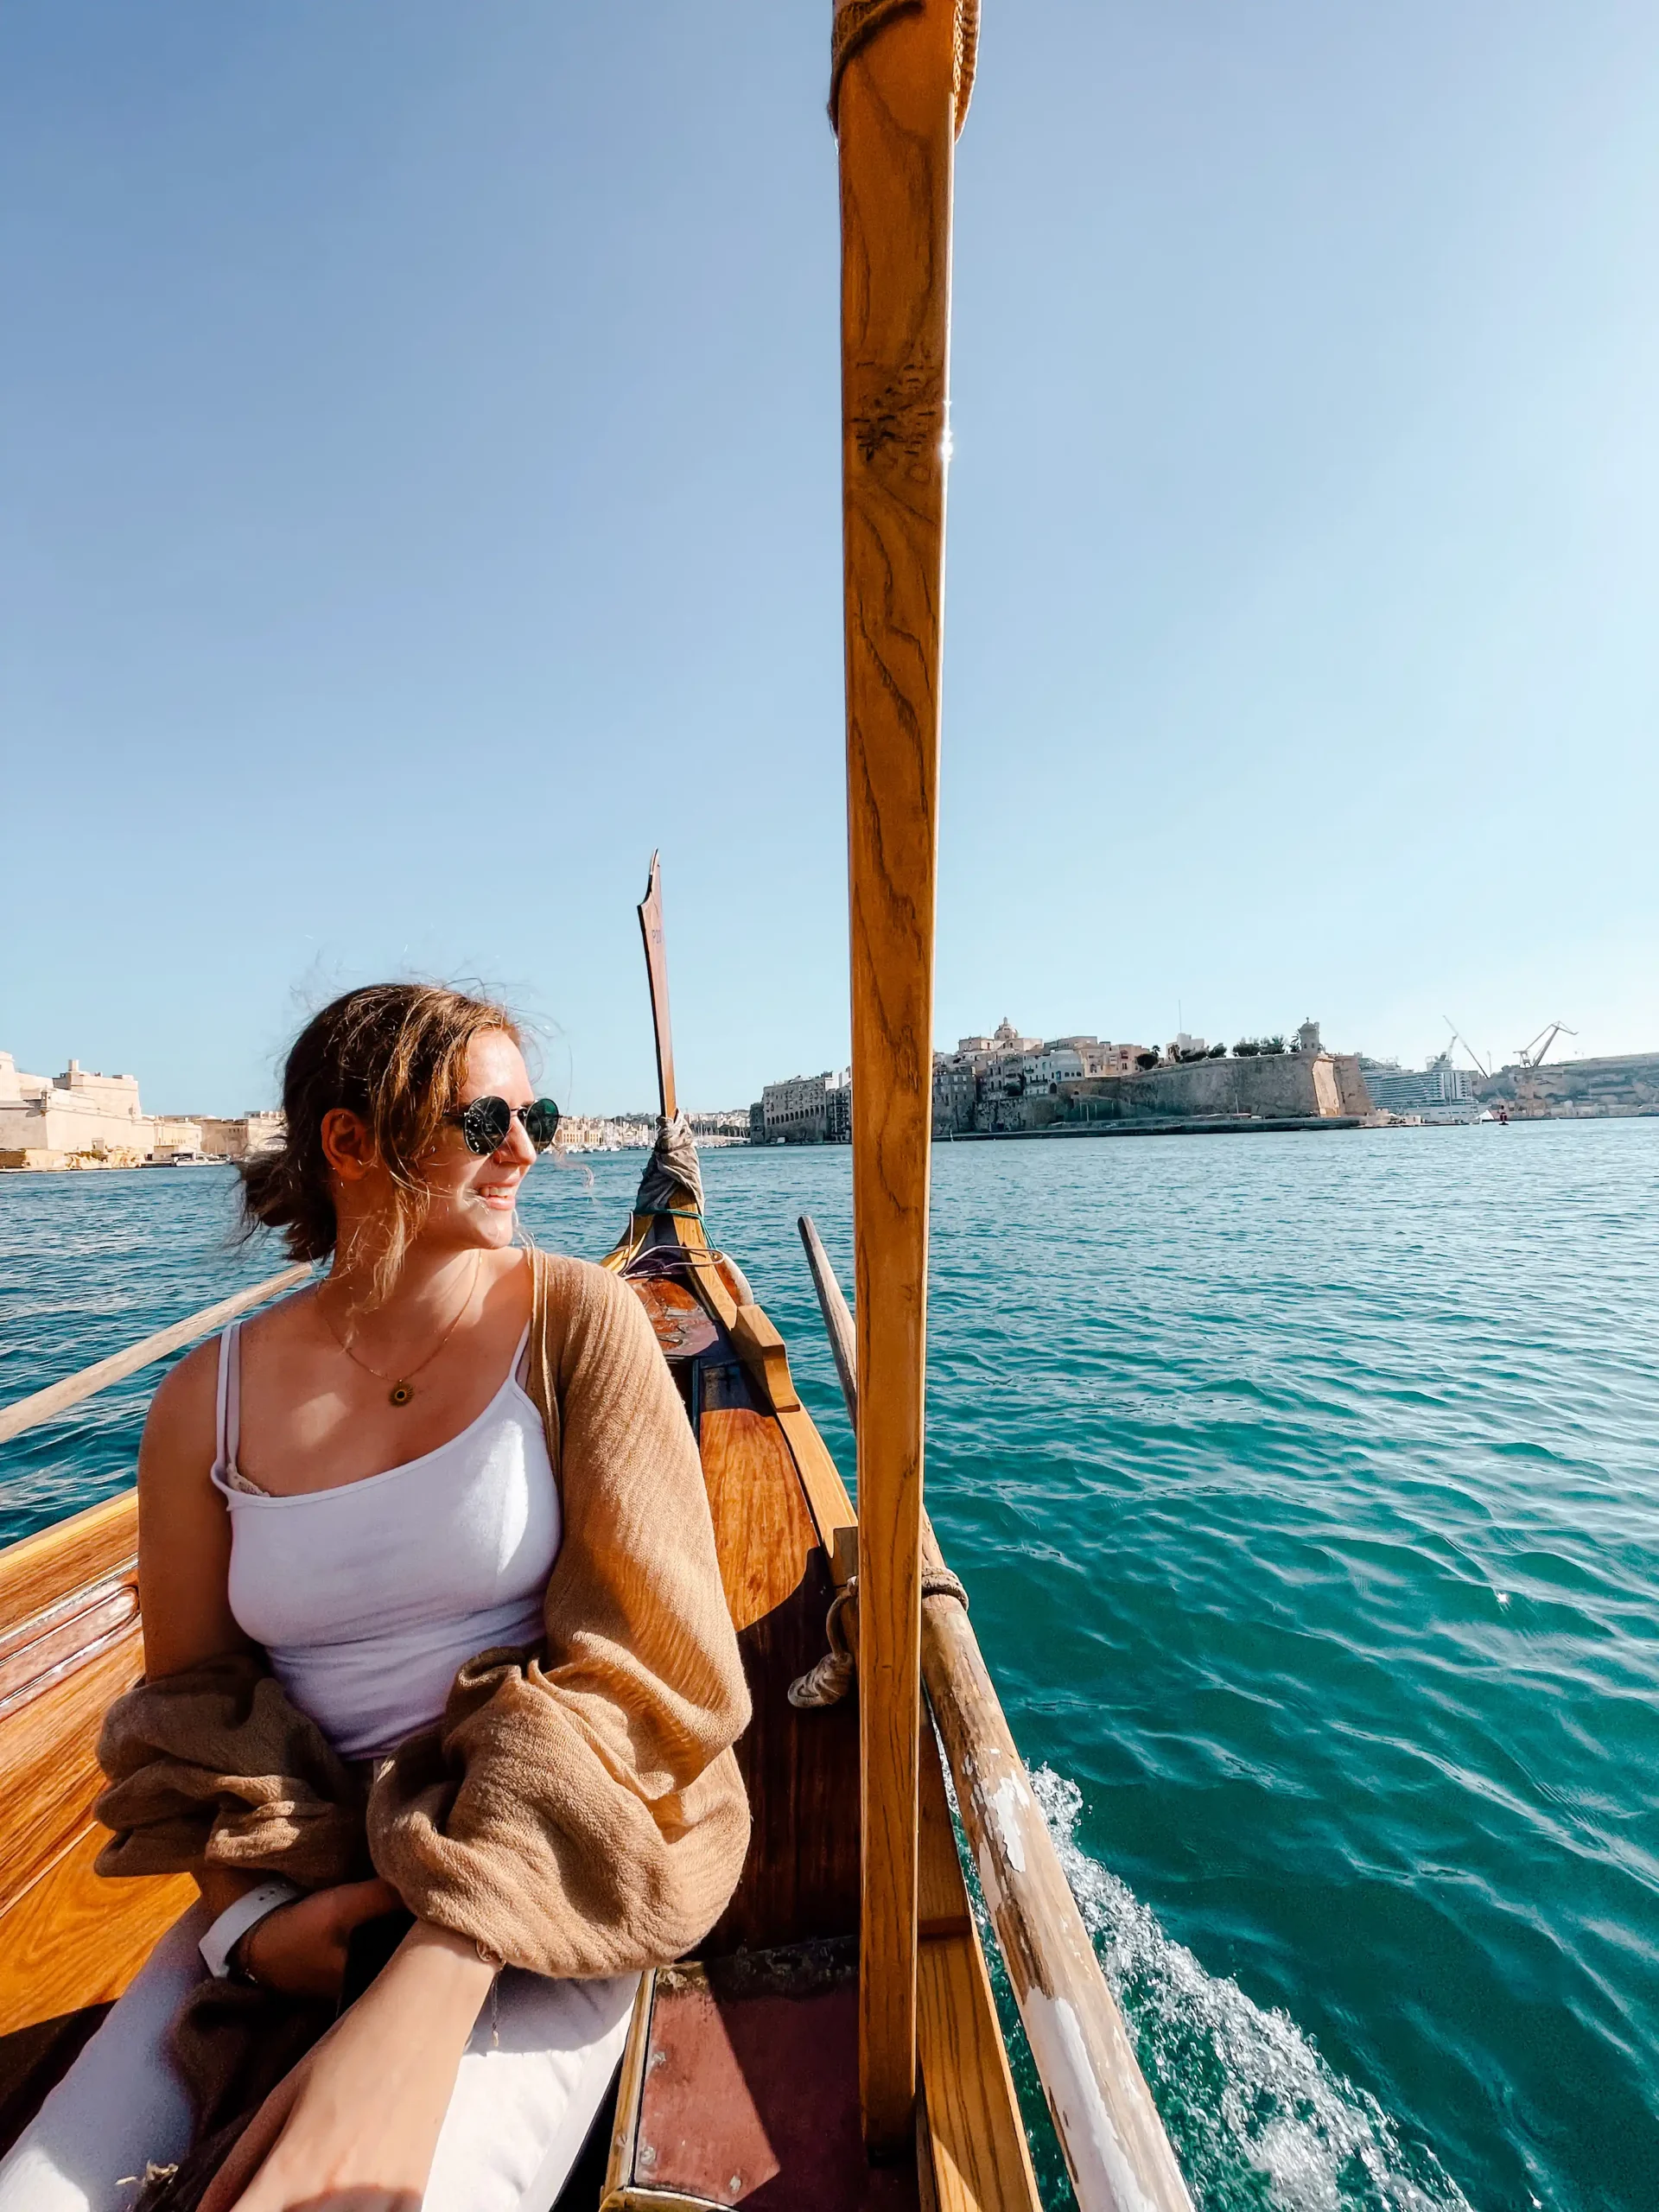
[433, 1625]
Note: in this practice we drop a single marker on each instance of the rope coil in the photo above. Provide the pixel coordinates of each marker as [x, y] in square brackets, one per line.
[672, 1167]
[834, 1674]
[856, 21]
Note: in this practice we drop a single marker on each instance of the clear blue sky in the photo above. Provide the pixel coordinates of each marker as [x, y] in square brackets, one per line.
[418, 498]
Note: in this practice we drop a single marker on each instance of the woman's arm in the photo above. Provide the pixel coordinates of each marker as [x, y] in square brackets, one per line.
[184, 1532]
[356, 2124]
[184, 1547]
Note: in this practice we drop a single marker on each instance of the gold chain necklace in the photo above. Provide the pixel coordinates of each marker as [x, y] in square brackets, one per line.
[403, 1388]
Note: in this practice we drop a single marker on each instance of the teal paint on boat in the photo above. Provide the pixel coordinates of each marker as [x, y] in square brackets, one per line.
[1307, 1491]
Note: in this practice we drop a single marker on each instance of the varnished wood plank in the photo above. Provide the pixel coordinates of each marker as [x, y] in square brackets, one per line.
[68, 1637]
[48, 1753]
[826, 1494]
[630, 2086]
[800, 1770]
[942, 1897]
[896, 120]
[979, 2161]
[927, 2187]
[89, 1547]
[761, 1350]
[765, 1356]
[72, 1939]
[762, 1530]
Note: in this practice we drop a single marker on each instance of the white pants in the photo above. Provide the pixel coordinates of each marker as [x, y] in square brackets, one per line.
[518, 2118]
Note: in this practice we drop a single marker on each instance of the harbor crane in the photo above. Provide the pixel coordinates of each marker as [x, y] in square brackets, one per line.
[1458, 1038]
[1532, 1056]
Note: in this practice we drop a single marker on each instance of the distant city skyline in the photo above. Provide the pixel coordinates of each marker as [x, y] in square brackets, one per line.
[420, 500]
[1562, 1049]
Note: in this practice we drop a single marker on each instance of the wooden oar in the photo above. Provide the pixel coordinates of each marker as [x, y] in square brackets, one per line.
[1120, 2157]
[43, 1405]
[837, 1321]
[682, 1225]
[895, 83]
[650, 928]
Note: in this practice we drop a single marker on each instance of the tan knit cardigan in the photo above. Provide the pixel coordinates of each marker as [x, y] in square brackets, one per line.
[578, 1809]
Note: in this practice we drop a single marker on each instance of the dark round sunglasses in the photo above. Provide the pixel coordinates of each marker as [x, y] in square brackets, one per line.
[485, 1121]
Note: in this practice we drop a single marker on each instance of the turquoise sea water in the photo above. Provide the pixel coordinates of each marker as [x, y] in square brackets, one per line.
[1307, 1491]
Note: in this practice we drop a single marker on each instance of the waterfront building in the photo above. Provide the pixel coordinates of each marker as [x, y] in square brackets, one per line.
[241, 1136]
[800, 1110]
[265, 1130]
[115, 1095]
[982, 1083]
[1124, 1059]
[1003, 1040]
[1439, 1092]
[605, 1132]
[84, 1118]
[758, 1122]
[1003, 1076]
[729, 1125]
[1097, 1055]
[956, 1092]
[171, 1134]
[80, 1114]
[1056, 1063]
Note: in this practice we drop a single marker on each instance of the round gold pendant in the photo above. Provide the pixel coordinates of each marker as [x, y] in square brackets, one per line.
[400, 1393]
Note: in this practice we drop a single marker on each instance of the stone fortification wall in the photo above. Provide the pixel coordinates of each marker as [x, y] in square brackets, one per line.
[1350, 1084]
[75, 1113]
[1269, 1087]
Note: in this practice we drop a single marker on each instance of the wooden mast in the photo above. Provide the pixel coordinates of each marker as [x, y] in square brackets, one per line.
[650, 928]
[896, 92]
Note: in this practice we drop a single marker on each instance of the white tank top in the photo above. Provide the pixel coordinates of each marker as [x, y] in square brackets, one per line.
[368, 1597]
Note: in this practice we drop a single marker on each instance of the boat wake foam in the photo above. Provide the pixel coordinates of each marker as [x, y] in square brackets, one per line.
[1256, 2115]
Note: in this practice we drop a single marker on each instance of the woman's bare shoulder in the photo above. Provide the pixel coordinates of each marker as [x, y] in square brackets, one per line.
[183, 1414]
[283, 1323]
[186, 1400]
[183, 1530]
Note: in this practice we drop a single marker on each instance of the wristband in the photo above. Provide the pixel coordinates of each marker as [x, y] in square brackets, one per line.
[248, 1911]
